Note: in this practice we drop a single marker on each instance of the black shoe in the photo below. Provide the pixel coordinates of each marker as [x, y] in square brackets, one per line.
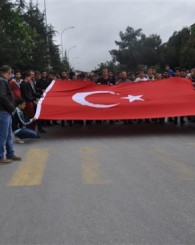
[5, 161]
[130, 121]
[147, 120]
[56, 123]
[88, 122]
[41, 130]
[48, 125]
[161, 121]
[111, 122]
[14, 158]
[139, 121]
[175, 121]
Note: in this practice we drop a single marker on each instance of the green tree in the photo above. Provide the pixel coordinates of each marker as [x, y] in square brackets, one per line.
[172, 51]
[20, 6]
[26, 41]
[35, 19]
[54, 53]
[110, 65]
[187, 58]
[17, 38]
[135, 49]
[46, 54]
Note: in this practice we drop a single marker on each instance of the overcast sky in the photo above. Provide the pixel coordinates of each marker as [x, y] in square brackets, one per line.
[98, 23]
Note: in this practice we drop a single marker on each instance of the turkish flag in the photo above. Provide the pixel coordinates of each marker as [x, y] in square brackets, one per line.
[78, 100]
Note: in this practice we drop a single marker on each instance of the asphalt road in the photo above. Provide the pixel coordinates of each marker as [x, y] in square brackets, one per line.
[101, 185]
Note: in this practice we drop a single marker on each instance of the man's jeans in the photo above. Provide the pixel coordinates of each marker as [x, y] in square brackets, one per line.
[6, 140]
[26, 133]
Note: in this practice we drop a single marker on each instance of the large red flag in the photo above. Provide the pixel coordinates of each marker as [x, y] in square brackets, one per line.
[86, 100]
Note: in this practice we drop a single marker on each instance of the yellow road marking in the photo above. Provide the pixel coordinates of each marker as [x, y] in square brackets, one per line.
[31, 169]
[91, 168]
[184, 171]
[192, 144]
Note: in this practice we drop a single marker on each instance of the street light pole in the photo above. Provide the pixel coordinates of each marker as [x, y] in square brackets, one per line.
[62, 50]
[47, 41]
[74, 59]
[45, 10]
[70, 49]
[75, 64]
[71, 62]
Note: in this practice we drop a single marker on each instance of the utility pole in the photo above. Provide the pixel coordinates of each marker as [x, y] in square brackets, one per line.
[47, 40]
[62, 49]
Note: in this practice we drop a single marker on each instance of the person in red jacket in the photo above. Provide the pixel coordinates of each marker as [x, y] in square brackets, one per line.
[15, 86]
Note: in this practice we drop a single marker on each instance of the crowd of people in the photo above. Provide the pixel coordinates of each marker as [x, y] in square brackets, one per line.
[21, 91]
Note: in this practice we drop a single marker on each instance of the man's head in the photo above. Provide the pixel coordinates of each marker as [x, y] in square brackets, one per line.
[123, 75]
[167, 67]
[21, 104]
[192, 72]
[177, 72]
[32, 75]
[119, 75]
[165, 74]
[50, 76]
[26, 76]
[6, 71]
[64, 75]
[37, 75]
[141, 73]
[150, 71]
[183, 73]
[110, 74]
[132, 76]
[154, 71]
[158, 76]
[17, 75]
[82, 76]
[44, 75]
[105, 72]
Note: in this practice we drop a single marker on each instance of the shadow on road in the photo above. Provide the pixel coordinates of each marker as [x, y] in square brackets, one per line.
[120, 130]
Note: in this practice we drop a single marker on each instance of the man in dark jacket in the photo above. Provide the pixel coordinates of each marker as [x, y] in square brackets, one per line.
[31, 98]
[105, 78]
[6, 109]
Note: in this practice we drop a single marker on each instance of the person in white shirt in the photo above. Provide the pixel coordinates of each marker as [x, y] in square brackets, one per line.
[141, 77]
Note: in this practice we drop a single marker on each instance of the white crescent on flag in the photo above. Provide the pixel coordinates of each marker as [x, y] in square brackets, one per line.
[80, 98]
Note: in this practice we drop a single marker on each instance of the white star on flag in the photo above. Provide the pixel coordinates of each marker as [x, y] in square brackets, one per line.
[133, 98]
